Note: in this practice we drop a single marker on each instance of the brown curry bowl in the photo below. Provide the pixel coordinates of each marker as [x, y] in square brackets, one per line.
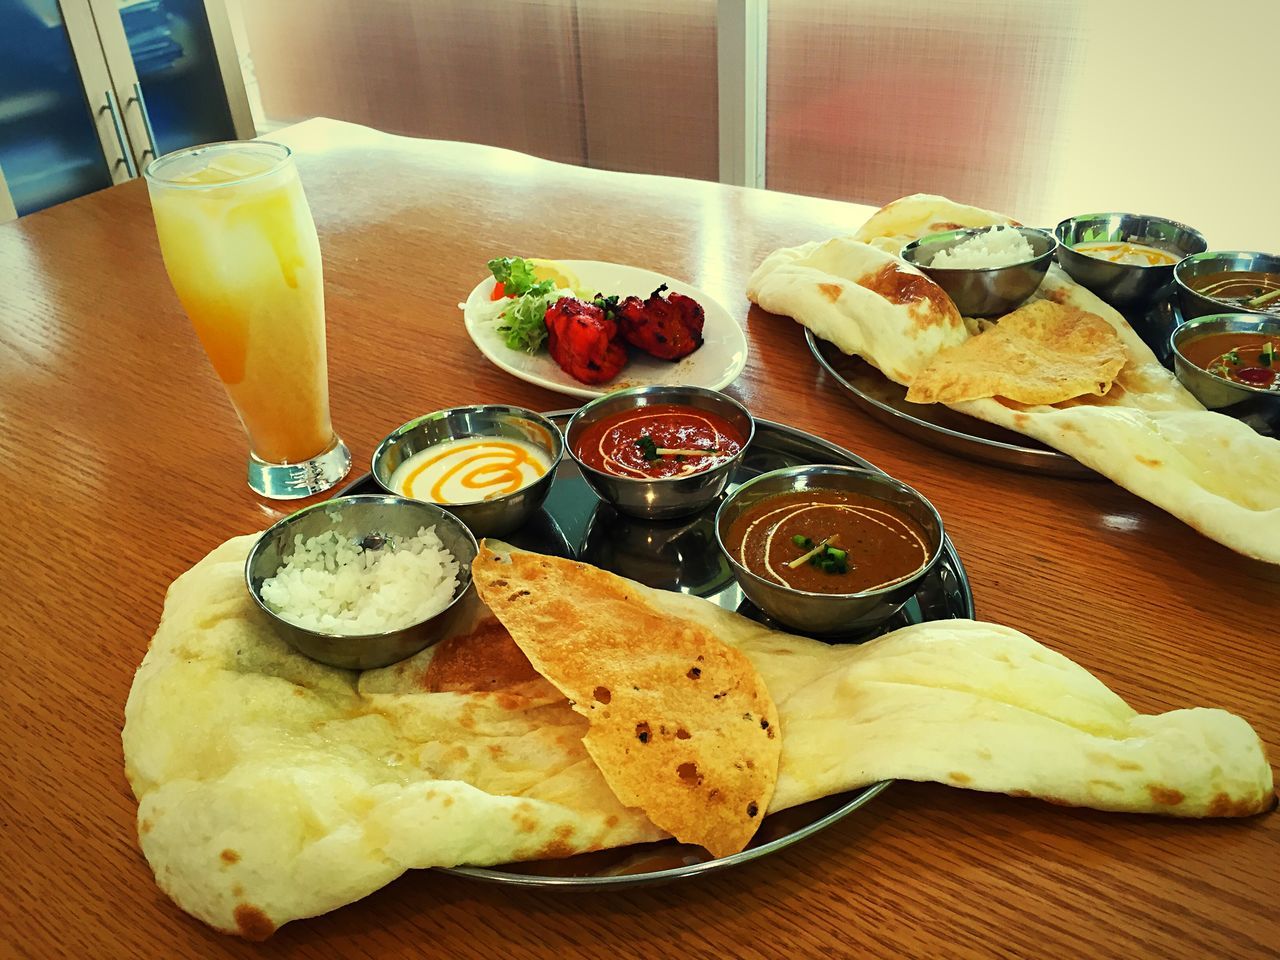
[830, 614]
[1195, 304]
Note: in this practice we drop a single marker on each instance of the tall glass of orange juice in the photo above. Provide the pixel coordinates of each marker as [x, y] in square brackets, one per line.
[241, 250]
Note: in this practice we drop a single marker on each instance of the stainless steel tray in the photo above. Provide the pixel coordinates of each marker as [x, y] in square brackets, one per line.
[682, 555]
[937, 425]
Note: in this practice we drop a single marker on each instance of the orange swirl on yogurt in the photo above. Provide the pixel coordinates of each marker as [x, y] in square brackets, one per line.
[470, 470]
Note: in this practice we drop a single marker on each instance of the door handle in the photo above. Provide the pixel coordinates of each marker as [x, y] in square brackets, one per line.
[146, 119]
[125, 156]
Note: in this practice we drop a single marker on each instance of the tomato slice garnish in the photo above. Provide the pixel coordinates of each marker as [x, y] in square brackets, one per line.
[498, 291]
[1254, 376]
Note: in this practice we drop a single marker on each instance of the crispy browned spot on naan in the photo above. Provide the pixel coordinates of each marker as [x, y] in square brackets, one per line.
[911, 289]
[681, 724]
[1044, 352]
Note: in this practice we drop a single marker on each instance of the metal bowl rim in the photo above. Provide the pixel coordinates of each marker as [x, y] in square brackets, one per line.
[1177, 224]
[881, 477]
[464, 569]
[655, 389]
[390, 440]
[1205, 256]
[949, 549]
[967, 232]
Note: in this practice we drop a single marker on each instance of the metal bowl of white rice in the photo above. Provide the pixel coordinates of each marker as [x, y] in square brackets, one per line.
[987, 271]
[364, 581]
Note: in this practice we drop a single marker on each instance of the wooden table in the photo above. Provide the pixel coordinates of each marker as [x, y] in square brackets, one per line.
[123, 465]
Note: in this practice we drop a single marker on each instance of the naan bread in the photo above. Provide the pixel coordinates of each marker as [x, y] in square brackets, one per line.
[893, 226]
[865, 301]
[1147, 434]
[272, 788]
[1043, 352]
[681, 725]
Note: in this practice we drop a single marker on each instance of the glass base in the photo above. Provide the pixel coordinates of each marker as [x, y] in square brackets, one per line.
[293, 481]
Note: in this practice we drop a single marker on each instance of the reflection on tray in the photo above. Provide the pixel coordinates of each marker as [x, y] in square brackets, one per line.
[672, 555]
[542, 534]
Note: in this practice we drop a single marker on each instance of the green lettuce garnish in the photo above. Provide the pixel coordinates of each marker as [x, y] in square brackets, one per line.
[516, 276]
[522, 323]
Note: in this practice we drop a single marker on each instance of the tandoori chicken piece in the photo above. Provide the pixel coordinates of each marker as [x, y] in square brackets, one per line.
[667, 327]
[584, 341]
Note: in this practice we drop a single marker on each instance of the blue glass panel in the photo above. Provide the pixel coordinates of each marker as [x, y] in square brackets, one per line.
[49, 147]
[175, 61]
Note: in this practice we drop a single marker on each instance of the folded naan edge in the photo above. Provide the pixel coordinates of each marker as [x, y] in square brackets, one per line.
[1209, 470]
[985, 707]
[863, 300]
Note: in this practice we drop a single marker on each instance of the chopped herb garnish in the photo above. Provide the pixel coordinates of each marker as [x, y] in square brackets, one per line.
[607, 304]
[1233, 357]
[825, 555]
[650, 450]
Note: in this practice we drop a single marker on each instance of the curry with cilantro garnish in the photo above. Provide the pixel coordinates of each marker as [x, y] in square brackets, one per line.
[1254, 290]
[1250, 359]
[828, 541]
[659, 441]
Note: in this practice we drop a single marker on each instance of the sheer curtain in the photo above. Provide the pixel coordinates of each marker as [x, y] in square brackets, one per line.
[1038, 108]
[594, 82]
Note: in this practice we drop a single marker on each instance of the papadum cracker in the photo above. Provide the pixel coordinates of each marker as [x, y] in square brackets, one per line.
[681, 725]
[1044, 352]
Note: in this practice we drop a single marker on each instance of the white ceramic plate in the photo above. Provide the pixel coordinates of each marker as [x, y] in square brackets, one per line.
[715, 364]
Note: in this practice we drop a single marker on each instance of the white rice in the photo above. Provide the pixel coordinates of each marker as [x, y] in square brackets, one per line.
[333, 585]
[997, 247]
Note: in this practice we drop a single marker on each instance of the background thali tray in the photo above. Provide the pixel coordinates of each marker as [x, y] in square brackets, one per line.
[938, 425]
[682, 555]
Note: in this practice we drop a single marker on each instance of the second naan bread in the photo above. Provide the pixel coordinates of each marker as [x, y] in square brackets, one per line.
[271, 787]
